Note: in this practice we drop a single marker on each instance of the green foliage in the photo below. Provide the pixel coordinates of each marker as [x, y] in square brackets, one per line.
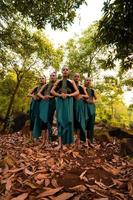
[27, 46]
[86, 56]
[110, 106]
[25, 50]
[107, 60]
[82, 53]
[59, 13]
[7, 86]
[128, 82]
[116, 28]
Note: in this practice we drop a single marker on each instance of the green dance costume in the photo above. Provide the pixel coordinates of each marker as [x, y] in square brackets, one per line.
[64, 111]
[46, 111]
[34, 115]
[80, 115]
[91, 111]
[50, 107]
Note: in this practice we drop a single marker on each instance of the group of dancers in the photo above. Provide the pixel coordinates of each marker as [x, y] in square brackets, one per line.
[72, 103]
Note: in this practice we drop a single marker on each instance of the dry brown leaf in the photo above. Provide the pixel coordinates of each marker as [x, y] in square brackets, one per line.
[39, 182]
[43, 170]
[7, 197]
[7, 180]
[41, 159]
[64, 196]
[49, 192]
[32, 185]
[101, 185]
[54, 183]
[102, 199]
[50, 197]
[129, 164]
[41, 176]
[82, 177]
[83, 173]
[76, 154]
[85, 179]
[97, 147]
[122, 196]
[10, 161]
[21, 197]
[45, 198]
[116, 157]
[61, 154]
[96, 189]
[130, 188]
[117, 182]
[8, 184]
[47, 182]
[28, 172]
[29, 151]
[93, 188]
[67, 161]
[114, 161]
[111, 169]
[7, 175]
[50, 162]
[16, 170]
[23, 155]
[77, 197]
[69, 151]
[61, 161]
[79, 188]
[97, 161]
[41, 155]
[115, 193]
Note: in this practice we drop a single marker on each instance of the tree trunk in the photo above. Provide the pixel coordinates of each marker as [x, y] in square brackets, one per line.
[11, 104]
[112, 109]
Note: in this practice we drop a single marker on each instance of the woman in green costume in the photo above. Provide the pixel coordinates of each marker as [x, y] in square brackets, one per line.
[34, 108]
[65, 89]
[47, 107]
[80, 114]
[91, 110]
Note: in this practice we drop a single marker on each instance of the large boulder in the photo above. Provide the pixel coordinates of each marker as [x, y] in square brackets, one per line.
[19, 121]
[127, 147]
[119, 133]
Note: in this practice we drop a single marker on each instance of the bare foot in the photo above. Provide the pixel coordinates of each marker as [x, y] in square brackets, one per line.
[58, 147]
[64, 148]
[86, 145]
[91, 145]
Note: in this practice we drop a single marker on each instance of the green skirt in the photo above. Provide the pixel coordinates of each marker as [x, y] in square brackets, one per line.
[34, 109]
[80, 118]
[42, 117]
[91, 109]
[51, 112]
[44, 108]
[64, 112]
[34, 116]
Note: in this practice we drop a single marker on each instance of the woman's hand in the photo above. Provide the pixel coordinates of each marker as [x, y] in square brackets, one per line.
[64, 95]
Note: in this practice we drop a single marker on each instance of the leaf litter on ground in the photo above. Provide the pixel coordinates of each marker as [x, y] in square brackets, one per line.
[30, 172]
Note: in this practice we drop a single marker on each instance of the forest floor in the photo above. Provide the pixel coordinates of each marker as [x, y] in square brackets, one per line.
[29, 171]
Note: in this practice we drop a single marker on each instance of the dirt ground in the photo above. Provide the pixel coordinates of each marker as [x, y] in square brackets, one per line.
[29, 171]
